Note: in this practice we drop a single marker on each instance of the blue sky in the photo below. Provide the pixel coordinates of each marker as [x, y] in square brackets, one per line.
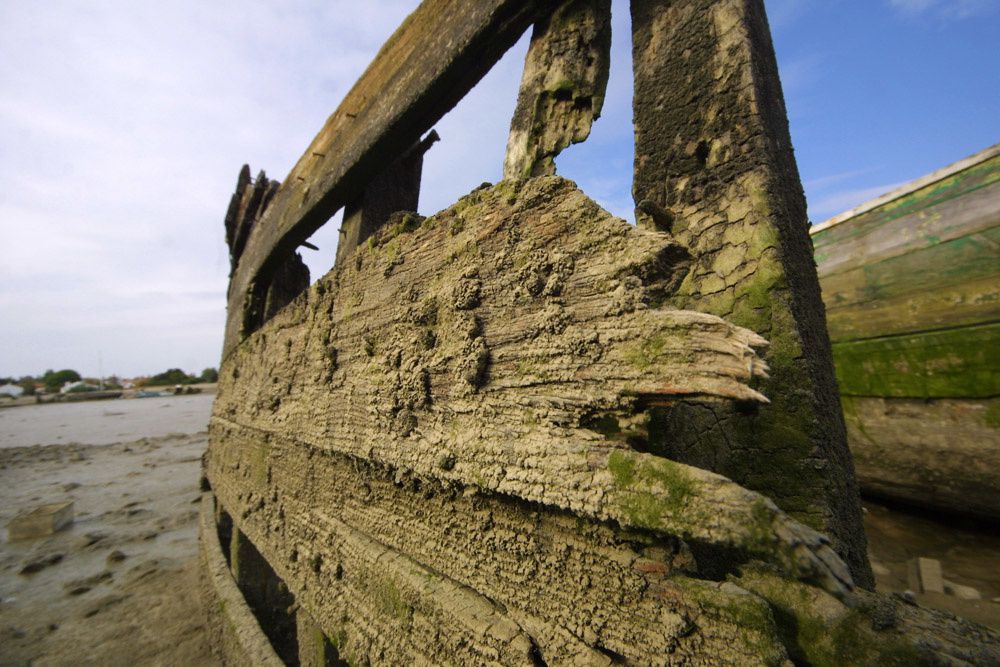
[123, 125]
[881, 93]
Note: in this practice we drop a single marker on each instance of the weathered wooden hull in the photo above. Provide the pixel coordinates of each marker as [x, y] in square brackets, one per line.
[447, 449]
[410, 509]
[911, 283]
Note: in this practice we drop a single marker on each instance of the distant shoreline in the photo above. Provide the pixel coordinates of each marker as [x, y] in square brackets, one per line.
[106, 395]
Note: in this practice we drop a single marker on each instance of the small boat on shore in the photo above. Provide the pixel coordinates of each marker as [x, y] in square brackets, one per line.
[144, 393]
[75, 397]
[911, 283]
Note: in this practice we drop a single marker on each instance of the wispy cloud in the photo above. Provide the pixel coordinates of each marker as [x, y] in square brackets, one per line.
[823, 182]
[124, 125]
[830, 204]
[945, 9]
[832, 194]
[802, 72]
[782, 14]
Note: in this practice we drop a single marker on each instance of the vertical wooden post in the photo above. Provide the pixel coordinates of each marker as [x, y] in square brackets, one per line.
[714, 166]
[273, 290]
[562, 88]
[315, 648]
[268, 597]
[245, 207]
[396, 188]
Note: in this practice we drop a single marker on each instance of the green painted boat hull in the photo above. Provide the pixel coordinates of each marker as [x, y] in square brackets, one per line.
[911, 284]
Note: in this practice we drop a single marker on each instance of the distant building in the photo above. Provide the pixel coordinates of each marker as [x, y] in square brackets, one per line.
[79, 385]
[11, 390]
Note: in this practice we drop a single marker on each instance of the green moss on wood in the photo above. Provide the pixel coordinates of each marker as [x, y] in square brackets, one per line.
[651, 488]
[563, 86]
[954, 363]
[389, 598]
[644, 354]
[992, 415]
[259, 456]
[820, 631]
[622, 467]
[751, 617]
[407, 223]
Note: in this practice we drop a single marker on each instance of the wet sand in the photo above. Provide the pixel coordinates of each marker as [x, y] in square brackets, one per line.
[969, 552]
[103, 422]
[119, 586]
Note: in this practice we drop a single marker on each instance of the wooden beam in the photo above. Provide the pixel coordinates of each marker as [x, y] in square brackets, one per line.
[950, 363]
[963, 204]
[435, 57]
[943, 307]
[898, 442]
[714, 166]
[396, 188]
[940, 287]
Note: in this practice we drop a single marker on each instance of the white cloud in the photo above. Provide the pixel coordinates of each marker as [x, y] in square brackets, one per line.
[124, 126]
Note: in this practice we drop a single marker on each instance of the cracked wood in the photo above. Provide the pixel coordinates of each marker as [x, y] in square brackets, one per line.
[435, 57]
[512, 343]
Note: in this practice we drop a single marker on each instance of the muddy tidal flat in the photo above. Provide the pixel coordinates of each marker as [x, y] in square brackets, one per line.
[104, 422]
[119, 585]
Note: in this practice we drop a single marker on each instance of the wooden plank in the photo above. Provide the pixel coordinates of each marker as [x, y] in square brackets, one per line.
[233, 630]
[967, 268]
[714, 166]
[510, 348]
[945, 264]
[974, 302]
[963, 204]
[435, 57]
[912, 186]
[574, 585]
[979, 211]
[953, 363]
[942, 454]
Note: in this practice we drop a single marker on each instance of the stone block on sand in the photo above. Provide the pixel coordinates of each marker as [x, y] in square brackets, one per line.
[961, 591]
[40, 521]
[925, 575]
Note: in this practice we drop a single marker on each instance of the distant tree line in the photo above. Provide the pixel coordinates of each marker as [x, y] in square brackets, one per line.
[177, 376]
[53, 381]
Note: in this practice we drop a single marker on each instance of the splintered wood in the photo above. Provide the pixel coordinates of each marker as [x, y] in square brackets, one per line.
[563, 86]
[437, 448]
[499, 337]
[494, 436]
[507, 347]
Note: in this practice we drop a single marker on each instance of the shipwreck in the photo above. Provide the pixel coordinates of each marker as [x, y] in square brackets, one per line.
[521, 431]
[911, 282]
